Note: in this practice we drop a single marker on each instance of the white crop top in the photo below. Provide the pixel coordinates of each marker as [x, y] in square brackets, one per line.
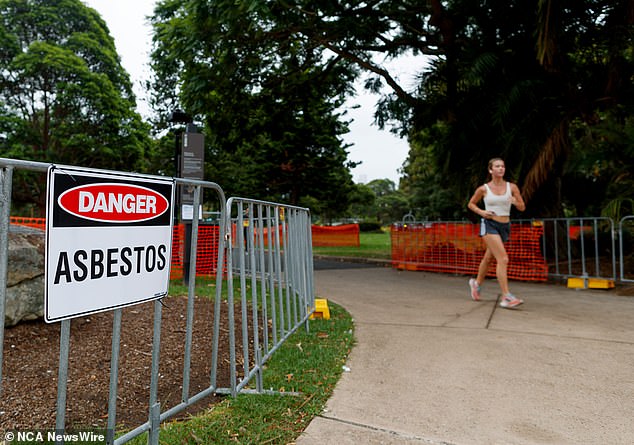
[500, 204]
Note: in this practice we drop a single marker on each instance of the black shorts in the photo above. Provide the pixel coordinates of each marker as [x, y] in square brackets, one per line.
[492, 227]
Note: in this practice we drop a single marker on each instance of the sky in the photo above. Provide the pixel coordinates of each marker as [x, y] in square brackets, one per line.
[381, 153]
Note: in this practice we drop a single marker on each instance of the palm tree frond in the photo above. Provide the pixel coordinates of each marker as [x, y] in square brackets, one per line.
[554, 149]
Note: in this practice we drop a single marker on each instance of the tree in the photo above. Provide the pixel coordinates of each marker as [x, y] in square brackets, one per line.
[525, 81]
[269, 103]
[392, 207]
[64, 97]
[431, 197]
[506, 78]
[362, 203]
[379, 201]
[382, 187]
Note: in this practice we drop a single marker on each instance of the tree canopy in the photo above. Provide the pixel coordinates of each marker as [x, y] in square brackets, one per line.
[270, 105]
[64, 96]
[529, 81]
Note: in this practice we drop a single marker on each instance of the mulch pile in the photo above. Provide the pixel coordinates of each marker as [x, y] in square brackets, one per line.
[31, 359]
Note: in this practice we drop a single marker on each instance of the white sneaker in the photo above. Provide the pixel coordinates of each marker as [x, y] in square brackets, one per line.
[475, 289]
[510, 301]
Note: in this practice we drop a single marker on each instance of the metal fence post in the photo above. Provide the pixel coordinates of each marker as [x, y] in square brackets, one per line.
[191, 289]
[62, 375]
[114, 376]
[154, 376]
[6, 177]
[622, 249]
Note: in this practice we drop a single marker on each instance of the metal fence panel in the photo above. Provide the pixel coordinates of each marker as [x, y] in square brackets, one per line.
[583, 247]
[271, 244]
[626, 254]
[269, 260]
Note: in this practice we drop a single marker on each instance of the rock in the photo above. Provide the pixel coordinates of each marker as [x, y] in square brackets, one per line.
[25, 280]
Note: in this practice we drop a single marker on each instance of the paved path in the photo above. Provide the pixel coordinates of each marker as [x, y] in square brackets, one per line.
[433, 367]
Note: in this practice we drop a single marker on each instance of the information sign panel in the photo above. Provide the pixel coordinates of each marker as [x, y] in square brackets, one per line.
[192, 165]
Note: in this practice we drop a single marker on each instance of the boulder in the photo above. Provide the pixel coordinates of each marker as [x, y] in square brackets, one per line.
[25, 279]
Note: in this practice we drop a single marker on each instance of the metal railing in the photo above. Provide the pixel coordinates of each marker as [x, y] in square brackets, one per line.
[626, 238]
[583, 247]
[272, 246]
[274, 256]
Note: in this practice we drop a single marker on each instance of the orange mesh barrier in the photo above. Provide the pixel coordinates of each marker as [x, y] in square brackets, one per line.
[344, 235]
[38, 223]
[264, 232]
[458, 248]
[336, 236]
[574, 232]
[206, 251]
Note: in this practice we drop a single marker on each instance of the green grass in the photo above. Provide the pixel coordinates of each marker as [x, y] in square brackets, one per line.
[205, 286]
[308, 363]
[372, 245]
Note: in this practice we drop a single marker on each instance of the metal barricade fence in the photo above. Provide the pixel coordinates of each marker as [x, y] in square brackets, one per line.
[626, 249]
[272, 246]
[583, 247]
[275, 254]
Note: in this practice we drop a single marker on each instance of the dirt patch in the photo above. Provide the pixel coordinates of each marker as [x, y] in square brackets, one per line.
[31, 358]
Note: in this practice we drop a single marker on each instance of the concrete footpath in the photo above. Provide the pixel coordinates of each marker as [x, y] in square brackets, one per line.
[431, 366]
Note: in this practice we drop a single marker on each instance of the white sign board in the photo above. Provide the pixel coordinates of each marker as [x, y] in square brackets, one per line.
[187, 212]
[108, 240]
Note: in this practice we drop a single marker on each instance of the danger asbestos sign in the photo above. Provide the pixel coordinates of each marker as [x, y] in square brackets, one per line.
[108, 240]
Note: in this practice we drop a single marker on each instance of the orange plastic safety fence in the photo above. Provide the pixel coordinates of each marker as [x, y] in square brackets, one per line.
[574, 232]
[263, 232]
[336, 236]
[206, 251]
[38, 223]
[458, 248]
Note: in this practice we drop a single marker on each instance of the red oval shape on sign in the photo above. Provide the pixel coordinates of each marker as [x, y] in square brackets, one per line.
[113, 202]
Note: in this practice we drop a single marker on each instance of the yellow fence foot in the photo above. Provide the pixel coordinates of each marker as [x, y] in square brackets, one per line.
[321, 309]
[590, 283]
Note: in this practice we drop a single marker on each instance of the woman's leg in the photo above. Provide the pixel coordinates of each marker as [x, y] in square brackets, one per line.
[484, 266]
[496, 247]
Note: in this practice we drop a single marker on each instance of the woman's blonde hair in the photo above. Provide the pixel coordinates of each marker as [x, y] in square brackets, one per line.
[492, 160]
[490, 166]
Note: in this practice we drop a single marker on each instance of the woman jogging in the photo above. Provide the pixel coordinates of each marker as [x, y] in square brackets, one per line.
[495, 228]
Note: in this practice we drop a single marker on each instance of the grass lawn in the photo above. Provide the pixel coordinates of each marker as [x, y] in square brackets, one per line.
[372, 245]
